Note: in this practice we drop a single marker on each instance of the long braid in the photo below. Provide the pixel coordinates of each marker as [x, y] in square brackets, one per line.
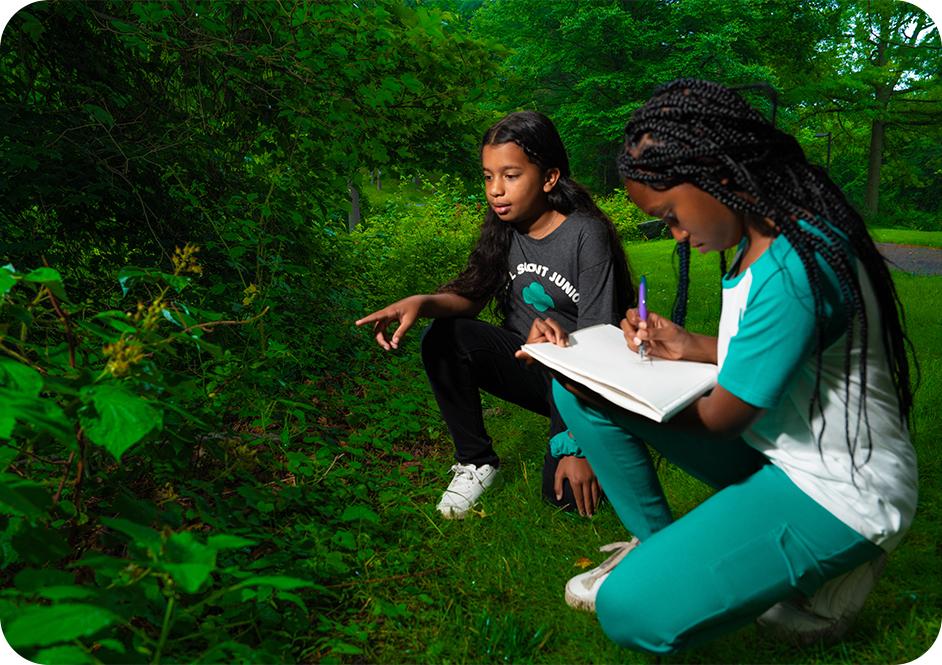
[679, 312]
[699, 132]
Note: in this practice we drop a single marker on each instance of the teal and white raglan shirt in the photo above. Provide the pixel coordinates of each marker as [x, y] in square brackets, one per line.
[766, 356]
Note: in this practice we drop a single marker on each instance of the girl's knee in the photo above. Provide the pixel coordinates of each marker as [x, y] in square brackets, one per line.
[632, 620]
[567, 403]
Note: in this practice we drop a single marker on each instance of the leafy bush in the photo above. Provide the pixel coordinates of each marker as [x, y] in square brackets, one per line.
[141, 515]
[414, 248]
[626, 216]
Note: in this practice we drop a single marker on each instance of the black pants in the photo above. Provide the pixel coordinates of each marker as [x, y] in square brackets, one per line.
[463, 357]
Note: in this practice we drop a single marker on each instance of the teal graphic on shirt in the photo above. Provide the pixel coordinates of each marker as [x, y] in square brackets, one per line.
[537, 297]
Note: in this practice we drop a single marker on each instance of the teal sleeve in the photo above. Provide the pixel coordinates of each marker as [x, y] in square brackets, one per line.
[564, 444]
[774, 339]
[777, 333]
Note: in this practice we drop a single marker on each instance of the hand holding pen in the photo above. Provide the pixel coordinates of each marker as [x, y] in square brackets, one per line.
[662, 338]
[653, 336]
[642, 309]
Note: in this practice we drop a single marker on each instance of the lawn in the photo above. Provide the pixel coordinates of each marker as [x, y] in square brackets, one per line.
[490, 588]
[908, 237]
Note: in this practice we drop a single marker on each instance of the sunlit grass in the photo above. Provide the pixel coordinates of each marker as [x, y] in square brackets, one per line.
[908, 237]
[496, 593]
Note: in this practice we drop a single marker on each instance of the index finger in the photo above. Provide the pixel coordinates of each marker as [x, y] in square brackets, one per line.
[559, 336]
[630, 332]
[370, 318]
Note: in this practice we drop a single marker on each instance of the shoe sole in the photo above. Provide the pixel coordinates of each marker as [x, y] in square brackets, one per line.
[826, 635]
[453, 515]
[577, 603]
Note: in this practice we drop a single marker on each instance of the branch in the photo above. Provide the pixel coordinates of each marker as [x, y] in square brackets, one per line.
[210, 324]
[70, 338]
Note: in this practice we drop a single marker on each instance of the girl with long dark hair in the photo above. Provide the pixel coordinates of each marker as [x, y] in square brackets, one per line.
[806, 436]
[550, 261]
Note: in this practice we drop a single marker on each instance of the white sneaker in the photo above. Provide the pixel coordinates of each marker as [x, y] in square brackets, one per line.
[826, 615]
[465, 489]
[582, 589]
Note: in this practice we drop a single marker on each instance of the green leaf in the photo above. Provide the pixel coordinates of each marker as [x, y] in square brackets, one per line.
[362, 513]
[70, 592]
[120, 418]
[41, 545]
[129, 276]
[19, 377]
[122, 26]
[188, 561]
[176, 281]
[100, 114]
[65, 655]
[117, 320]
[42, 415]
[141, 535]
[280, 582]
[7, 281]
[7, 454]
[23, 497]
[39, 626]
[34, 579]
[114, 645]
[224, 541]
[49, 278]
[293, 598]
[345, 648]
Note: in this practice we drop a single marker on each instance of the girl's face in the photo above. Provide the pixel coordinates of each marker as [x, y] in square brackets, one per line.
[691, 214]
[516, 188]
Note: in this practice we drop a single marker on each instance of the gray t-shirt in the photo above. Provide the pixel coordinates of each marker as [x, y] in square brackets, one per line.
[567, 276]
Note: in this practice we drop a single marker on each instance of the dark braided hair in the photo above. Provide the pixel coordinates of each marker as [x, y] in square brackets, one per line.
[679, 311]
[705, 134]
[486, 275]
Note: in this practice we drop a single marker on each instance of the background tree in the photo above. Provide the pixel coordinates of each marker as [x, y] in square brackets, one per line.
[882, 87]
[589, 64]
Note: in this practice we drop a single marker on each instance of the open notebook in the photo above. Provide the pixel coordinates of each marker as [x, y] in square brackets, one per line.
[598, 358]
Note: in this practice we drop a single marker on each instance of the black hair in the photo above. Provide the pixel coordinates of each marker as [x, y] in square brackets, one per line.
[486, 274]
[705, 134]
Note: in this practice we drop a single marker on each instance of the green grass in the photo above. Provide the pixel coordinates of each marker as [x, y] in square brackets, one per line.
[908, 237]
[490, 588]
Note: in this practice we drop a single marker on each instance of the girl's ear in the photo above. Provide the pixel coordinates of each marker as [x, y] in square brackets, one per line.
[550, 178]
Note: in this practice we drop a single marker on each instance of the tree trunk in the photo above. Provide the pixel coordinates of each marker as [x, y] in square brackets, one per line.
[875, 161]
[353, 218]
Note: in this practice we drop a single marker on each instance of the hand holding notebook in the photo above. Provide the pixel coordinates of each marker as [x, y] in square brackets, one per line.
[598, 358]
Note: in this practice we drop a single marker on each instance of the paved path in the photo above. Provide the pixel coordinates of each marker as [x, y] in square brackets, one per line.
[912, 258]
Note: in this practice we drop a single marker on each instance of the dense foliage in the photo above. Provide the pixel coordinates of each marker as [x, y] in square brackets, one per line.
[201, 459]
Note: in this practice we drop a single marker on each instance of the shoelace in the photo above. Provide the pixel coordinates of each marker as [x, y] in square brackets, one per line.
[621, 550]
[462, 470]
[464, 477]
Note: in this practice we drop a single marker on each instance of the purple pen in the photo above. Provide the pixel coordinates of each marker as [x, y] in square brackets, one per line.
[642, 308]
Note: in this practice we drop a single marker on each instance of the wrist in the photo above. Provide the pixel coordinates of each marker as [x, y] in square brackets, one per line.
[563, 445]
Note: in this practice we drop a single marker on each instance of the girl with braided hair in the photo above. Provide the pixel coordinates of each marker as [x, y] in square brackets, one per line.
[805, 437]
[551, 262]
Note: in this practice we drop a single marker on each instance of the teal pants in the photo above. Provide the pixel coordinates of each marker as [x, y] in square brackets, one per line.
[756, 541]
